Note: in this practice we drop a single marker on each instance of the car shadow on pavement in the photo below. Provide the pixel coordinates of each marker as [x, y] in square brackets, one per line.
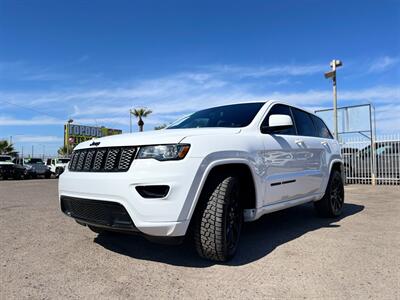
[258, 238]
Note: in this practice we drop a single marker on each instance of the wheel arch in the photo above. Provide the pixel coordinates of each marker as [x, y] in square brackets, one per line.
[230, 166]
[338, 165]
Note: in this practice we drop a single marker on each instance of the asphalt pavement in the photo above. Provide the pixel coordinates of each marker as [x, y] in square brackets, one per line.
[285, 255]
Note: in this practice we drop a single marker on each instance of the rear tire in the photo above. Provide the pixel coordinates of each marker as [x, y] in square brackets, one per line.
[219, 219]
[331, 204]
[58, 172]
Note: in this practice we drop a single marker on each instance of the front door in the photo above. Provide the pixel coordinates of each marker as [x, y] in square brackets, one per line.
[283, 160]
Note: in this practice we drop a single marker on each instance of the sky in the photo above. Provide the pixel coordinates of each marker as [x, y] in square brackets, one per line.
[94, 60]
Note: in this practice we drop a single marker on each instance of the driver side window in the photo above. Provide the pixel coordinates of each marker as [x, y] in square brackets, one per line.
[280, 109]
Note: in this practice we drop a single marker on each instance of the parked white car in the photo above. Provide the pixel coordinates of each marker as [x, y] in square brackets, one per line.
[57, 165]
[209, 171]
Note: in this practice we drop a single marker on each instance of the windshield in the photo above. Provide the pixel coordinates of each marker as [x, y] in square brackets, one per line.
[35, 161]
[235, 115]
[63, 160]
[5, 158]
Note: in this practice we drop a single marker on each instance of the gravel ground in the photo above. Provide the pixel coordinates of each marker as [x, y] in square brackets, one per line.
[288, 254]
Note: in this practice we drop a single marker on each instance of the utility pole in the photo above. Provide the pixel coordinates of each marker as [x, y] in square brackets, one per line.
[32, 152]
[130, 120]
[332, 74]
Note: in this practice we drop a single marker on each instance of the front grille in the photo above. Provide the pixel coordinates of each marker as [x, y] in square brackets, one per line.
[95, 212]
[111, 159]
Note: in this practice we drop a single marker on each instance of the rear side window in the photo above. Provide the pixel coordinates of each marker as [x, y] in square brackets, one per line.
[304, 124]
[280, 109]
[321, 130]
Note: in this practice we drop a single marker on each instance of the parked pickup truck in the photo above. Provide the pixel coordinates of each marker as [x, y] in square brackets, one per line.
[57, 165]
[35, 167]
[205, 174]
[10, 170]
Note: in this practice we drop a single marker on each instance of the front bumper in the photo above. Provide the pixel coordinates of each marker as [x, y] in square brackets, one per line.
[167, 216]
[7, 172]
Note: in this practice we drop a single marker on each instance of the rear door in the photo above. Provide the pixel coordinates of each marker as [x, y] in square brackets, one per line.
[329, 144]
[311, 155]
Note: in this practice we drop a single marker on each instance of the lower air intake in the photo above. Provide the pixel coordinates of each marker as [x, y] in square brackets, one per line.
[95, 212]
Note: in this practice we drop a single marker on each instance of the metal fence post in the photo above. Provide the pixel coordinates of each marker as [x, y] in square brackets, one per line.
[373, 150]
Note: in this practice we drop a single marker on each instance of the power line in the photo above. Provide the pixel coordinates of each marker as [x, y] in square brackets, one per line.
[28, 108]
[38, 111]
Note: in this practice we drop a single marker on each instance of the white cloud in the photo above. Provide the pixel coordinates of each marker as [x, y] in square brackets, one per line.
[175, 95]
[262, 71]
[37, 139]
[383, 63]
[37, 121]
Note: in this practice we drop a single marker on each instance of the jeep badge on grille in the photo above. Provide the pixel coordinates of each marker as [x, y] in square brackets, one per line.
[95, 144]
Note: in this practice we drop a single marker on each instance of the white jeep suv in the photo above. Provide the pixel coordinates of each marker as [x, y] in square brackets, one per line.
[57, 165]
[209, 172]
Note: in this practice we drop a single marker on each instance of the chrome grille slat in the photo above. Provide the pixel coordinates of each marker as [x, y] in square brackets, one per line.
[82, 155]
[98, 161]
[126, 158]
[110, 159]
[89, 159]
[74, 160]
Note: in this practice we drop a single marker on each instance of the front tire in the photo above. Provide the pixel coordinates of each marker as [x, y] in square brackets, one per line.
[219, 219]
[331, 204]
[97, 230]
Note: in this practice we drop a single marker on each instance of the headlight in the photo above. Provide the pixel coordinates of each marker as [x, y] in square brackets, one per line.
[28, 167]
[164, 152]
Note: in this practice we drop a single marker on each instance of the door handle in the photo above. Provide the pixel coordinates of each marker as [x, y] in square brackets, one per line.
[324, 143]
[299, 142]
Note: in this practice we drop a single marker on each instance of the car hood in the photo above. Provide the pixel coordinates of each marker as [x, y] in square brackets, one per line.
[165, 136]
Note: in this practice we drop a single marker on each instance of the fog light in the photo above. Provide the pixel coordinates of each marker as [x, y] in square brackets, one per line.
[153, 191]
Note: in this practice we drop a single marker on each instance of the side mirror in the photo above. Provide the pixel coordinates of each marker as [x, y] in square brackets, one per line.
[277, 122]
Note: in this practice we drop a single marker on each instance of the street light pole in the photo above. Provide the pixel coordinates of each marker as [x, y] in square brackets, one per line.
[332, 74]
[335, 116]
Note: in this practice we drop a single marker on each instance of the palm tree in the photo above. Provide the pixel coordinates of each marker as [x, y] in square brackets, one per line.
[63, 151]
[6, 148]
[159, 127]
[141, 113]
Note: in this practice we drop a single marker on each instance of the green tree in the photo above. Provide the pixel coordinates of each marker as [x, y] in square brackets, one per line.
[141, 113]
[7, 148]
[63, 151]
[159, 127]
